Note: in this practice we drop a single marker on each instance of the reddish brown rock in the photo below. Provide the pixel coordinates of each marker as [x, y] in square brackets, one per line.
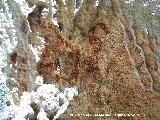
[113, 65]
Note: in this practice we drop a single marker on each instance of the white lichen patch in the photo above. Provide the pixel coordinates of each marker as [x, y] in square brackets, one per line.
[37, 51]
[77, 8]
[47, 97]
[24, 7]
[39, 80]
[97, 2]
[18, 112]
[42, 115]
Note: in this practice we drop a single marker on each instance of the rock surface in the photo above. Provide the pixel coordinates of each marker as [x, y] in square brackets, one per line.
[106, 54]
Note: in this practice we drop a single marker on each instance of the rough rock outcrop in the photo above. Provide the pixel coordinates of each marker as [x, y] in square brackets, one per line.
[112, 61]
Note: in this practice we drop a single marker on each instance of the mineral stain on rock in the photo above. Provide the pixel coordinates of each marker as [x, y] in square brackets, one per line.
[114, 65]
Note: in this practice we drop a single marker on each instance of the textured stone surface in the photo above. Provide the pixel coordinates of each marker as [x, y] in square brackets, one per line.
[114, 64]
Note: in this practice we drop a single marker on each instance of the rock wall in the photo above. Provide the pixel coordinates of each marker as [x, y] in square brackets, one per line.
[106, 54]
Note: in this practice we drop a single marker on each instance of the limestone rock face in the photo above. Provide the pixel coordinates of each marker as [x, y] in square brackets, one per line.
[106, 54]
